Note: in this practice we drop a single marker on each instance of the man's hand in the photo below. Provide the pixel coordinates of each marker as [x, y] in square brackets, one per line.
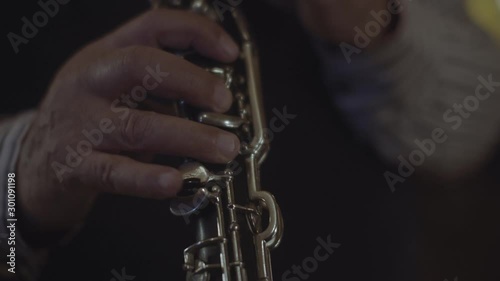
[88, 122]
[335, 20]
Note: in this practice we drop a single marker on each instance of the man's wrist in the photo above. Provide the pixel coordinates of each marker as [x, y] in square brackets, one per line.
[34, 235]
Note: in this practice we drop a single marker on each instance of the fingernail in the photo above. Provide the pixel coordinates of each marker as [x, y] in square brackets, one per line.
[223, 98]
[228, 145]
[229, 47]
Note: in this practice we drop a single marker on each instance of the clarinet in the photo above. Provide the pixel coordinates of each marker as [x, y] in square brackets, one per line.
[236, 223]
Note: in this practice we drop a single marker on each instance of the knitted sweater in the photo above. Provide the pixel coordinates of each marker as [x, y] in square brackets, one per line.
[429, 96]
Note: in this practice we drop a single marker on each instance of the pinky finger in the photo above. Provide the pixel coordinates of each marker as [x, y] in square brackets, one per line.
[121, 175]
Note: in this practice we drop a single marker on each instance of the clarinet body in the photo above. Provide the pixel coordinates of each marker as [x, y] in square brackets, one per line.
[236, 223]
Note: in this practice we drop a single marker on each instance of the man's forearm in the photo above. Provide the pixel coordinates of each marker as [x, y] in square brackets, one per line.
[19, 260]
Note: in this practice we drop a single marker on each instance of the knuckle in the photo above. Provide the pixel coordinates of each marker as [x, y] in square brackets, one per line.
[129, 57]
[136, 127]
[106, 171]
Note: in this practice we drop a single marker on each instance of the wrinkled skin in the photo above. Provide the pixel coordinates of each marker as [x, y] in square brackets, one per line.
[87, 90]
[82, 96]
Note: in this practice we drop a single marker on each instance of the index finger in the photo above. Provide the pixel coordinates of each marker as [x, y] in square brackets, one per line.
[139, 70]
[177, 29]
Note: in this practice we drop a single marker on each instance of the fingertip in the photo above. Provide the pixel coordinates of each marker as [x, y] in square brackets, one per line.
[228, 145]
[229, 48]
[223, 98]
[170, 183]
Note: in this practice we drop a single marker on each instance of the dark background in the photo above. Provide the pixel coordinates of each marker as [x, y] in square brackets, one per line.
[326, 181]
